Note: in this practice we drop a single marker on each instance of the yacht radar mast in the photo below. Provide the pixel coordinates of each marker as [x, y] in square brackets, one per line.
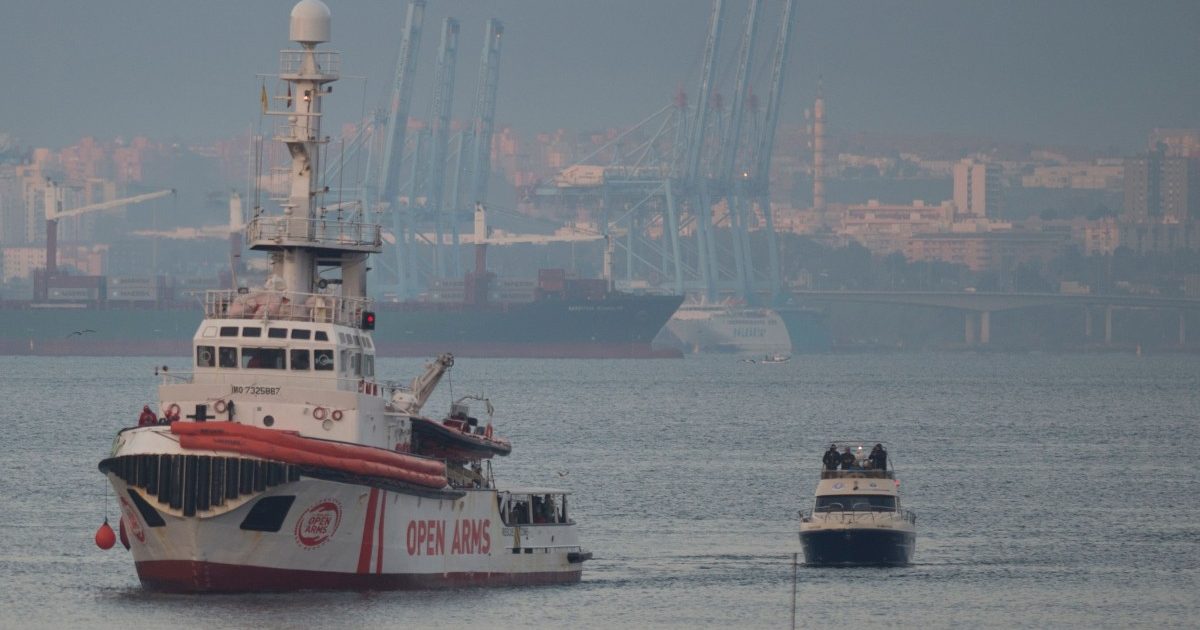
[303, 236]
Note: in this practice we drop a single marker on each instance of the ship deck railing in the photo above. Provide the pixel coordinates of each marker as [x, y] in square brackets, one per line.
[858, 473]
[291, 64]
[277, 231]
[270, 378]
[863, 516]
[285, 306]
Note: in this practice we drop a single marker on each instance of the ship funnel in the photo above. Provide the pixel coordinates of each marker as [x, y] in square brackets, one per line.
[310, 22]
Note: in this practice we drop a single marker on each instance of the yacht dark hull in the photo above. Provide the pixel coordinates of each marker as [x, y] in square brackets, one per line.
[858, 547]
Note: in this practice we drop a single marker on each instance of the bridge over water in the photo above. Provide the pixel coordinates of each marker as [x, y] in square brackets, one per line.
[977, 307]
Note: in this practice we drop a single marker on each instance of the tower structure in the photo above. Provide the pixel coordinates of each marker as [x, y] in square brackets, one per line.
[819, 155]
[303, 236]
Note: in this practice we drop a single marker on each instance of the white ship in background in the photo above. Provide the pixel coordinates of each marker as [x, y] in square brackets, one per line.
[728, 327]
[282, 462]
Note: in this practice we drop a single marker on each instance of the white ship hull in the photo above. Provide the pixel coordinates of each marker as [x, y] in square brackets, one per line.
[709, 329]
[344, 536]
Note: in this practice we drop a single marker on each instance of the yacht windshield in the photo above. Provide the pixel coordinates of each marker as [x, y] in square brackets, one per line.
[856, 503]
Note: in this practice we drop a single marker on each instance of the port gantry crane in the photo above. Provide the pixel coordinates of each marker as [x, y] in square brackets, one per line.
[761, 174]
[440, 110]
[393, 149]
[680, 161]
[483, 112]
[729, 177]
[53, 205]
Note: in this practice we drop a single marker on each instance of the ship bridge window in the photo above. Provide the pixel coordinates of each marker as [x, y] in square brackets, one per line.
[263, 358]
[856, 503]
[229, 331]
[251, 331]
[368, 365]
[209, 331]
[533, 509]
[206, 356]
[321, 336]
[277, 333]
[301, 333]
[367, 342]
[299, 359]
[227, 357]
[322, 359]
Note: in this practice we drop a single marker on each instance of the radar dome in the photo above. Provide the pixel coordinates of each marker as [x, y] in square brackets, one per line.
[310, 22]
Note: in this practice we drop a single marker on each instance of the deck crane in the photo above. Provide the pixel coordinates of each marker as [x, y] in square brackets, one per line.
[54, 212]
[733, 180]
[410, 400]
[393, 150]
[692, 177]
[762, 167]
[443, 97]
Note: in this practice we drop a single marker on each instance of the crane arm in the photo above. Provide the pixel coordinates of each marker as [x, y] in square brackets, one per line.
[422, 386]
[53, 213]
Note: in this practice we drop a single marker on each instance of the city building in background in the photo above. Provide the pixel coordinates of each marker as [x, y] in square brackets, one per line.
[977, 188]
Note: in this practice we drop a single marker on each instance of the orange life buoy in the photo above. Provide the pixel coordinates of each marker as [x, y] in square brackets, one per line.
[220, 406]
[336, 415]
[319, 413]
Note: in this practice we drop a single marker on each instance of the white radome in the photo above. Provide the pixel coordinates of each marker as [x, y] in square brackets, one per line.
[310, 22]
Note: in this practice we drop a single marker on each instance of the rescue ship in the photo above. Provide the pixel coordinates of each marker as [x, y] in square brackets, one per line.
[282, 461]
[856, 519]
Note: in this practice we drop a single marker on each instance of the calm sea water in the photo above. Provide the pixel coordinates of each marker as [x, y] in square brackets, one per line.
[1051, 491]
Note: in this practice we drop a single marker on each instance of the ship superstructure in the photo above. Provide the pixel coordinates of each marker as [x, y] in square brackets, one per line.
[729, 327]
[282, 461]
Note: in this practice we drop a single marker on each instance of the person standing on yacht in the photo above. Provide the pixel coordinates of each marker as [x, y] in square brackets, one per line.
[832, 458]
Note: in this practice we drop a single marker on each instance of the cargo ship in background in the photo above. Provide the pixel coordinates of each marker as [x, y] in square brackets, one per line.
[554, 316]
[482, 315]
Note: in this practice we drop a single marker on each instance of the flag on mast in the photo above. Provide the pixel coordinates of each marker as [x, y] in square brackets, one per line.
[264, 96]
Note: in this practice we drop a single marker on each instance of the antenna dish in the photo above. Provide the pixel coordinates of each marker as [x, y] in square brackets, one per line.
[310, 22]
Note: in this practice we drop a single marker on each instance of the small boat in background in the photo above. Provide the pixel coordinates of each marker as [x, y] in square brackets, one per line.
[776, 358]
[856, 519]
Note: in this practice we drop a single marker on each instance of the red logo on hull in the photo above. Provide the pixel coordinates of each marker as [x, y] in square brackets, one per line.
[135, 525]
[318, 523]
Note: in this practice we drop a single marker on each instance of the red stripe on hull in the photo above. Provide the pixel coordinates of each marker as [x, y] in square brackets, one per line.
[364, 551]
[189, 576]
[379, 543]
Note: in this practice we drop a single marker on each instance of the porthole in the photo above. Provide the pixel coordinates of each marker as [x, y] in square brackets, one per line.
[268, 421]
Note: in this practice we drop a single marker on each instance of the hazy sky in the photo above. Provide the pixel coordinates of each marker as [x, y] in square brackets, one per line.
[1084, 72]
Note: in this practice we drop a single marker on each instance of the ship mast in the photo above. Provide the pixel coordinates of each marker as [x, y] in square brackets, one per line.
[304, 237]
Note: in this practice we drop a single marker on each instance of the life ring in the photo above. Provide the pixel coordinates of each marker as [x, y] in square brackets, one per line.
[319, 413]
[336, 415]
[220, 406]
[173, 410]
